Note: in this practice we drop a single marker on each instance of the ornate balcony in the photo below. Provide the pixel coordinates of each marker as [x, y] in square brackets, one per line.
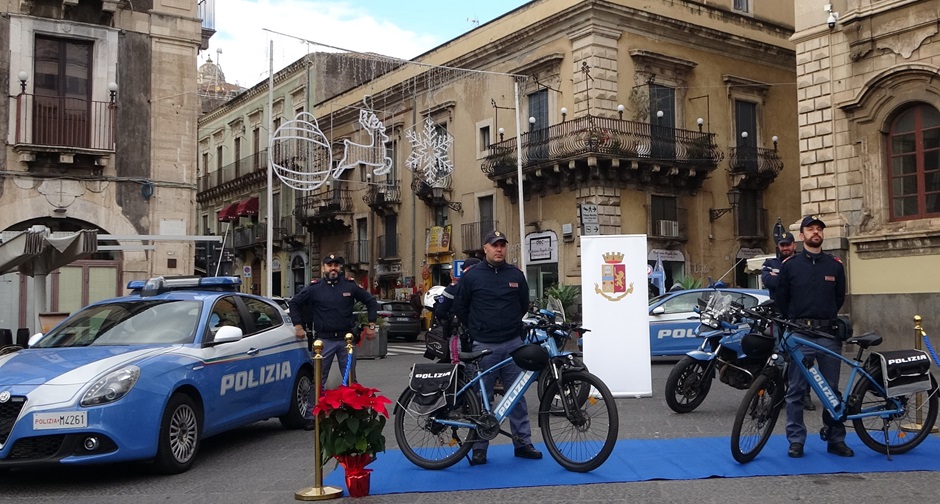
[327, 210]
[754, 168]
[436, 195]
[48, 127]
[599, 150]
[383, 199]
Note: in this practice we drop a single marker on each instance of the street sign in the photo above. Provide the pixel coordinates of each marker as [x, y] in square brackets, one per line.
[246, 271]
[589, 214]
[458, 268]
[592, 229]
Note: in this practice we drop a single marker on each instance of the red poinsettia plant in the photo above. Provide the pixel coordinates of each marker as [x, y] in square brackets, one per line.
[351, 421]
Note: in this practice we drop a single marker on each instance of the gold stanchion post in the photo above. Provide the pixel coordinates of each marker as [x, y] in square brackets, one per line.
[317, 491]
[919, 335]
[349, 362]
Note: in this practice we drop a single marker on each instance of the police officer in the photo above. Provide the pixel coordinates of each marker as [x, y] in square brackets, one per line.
[492, 298]
[770, 270]
[811, 292]
[443, 307]
[328, 303]
[770, 277]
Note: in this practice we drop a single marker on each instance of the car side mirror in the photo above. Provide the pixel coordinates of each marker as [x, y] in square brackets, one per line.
[228, 334]
[659, 310]
[34, 339]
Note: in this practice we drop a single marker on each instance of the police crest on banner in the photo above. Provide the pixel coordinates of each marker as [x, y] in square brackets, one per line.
[613, 278]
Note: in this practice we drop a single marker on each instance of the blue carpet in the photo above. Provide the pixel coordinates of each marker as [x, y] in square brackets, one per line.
[638, 460]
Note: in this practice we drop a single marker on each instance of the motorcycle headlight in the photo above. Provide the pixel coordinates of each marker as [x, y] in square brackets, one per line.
[111, 386]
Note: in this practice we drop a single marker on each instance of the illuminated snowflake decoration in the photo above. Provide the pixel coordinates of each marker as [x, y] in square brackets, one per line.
[429, 147]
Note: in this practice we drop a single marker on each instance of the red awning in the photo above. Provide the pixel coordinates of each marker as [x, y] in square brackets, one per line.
[247, 208]
[228, 213]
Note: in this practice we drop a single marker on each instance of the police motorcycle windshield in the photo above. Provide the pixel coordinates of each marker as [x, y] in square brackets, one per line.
[554, 305]
[716, 309]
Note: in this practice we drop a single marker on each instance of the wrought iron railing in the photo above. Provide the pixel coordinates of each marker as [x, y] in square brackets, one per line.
[357, 251]
[755, 161]
[56, 121]
[326, 202]
[378, 195]
[670, 229]
[232, 171]
[472, 233]
[206, 12]
[604, 136]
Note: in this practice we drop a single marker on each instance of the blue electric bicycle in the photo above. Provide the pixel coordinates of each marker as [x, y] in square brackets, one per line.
[445, 409]
[891, 397]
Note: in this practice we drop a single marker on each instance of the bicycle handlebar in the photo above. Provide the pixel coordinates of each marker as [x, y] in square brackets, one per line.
[768, 313]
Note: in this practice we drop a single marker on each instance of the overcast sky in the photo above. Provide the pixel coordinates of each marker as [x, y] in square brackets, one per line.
[403, 29]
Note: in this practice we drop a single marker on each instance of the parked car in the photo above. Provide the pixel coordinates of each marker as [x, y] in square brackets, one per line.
[673, 319]
[400, 319]
[148, 376]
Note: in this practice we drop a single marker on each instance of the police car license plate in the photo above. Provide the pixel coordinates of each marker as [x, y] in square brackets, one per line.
[403, 319]
[62, 420]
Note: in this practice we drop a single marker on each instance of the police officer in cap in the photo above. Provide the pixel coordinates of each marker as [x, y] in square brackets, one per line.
[491, 301]
[811, 292]
[328, 304]
[770, 277]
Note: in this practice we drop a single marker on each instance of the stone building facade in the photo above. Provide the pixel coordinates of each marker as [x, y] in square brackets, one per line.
[676, 119]
[100, 134]
[869, 119]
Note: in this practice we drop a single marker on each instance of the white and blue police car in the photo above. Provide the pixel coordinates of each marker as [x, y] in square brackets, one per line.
[149, 375]
[673, 319]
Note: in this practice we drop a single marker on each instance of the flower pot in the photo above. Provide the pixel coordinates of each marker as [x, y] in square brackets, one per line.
[357, 482]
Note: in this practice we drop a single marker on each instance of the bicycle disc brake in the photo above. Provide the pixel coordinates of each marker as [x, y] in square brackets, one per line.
[487, 426]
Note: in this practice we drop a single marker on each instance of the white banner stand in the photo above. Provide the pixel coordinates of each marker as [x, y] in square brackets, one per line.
[615, 309]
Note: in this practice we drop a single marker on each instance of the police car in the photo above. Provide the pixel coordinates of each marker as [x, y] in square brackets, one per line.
[149, 375]
[673, 320]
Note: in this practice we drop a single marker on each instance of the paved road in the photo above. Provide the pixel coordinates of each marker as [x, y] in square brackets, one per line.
[264, 463]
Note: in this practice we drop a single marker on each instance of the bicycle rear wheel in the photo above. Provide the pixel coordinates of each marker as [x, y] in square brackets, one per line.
[581, 439]
[429, 444]
[757, 415]
[897, 433]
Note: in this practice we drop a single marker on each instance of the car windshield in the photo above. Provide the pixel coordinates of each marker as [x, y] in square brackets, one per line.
[127, 323]
[397, 307]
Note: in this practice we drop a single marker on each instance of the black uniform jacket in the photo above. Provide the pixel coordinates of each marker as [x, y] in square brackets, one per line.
[491, 301]
[330, 305]
[812, 286]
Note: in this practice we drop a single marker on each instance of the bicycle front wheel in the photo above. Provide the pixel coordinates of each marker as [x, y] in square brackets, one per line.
[757, 415]
[426, 442]
[580, 432]
[897, 433]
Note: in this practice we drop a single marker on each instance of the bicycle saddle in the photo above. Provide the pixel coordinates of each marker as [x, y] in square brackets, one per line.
[866, 340]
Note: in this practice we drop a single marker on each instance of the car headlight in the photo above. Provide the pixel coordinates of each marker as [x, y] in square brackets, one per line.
[111, 386]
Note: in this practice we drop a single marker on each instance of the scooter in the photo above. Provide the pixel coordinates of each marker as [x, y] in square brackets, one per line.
[722, 327]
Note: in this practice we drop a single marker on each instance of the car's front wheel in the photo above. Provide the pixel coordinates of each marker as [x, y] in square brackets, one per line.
[295, 419]
[180, 433]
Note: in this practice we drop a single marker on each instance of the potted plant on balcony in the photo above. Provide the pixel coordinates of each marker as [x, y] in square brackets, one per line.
[351, 421]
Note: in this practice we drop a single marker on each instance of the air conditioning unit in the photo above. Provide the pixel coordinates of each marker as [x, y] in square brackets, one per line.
[667, 228]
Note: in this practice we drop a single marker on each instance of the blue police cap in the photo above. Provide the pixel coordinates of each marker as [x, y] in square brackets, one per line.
[810, 220]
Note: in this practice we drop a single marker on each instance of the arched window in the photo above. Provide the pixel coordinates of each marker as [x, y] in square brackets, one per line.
[914, 163]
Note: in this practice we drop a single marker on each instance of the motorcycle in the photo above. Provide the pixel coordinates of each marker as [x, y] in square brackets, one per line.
[722, 327]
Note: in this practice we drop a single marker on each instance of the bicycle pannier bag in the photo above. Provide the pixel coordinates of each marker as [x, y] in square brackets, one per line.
[436, 344]
[431, 384]
[904, 371]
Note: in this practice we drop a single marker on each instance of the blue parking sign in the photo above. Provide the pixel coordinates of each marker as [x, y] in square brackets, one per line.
[458, 268]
